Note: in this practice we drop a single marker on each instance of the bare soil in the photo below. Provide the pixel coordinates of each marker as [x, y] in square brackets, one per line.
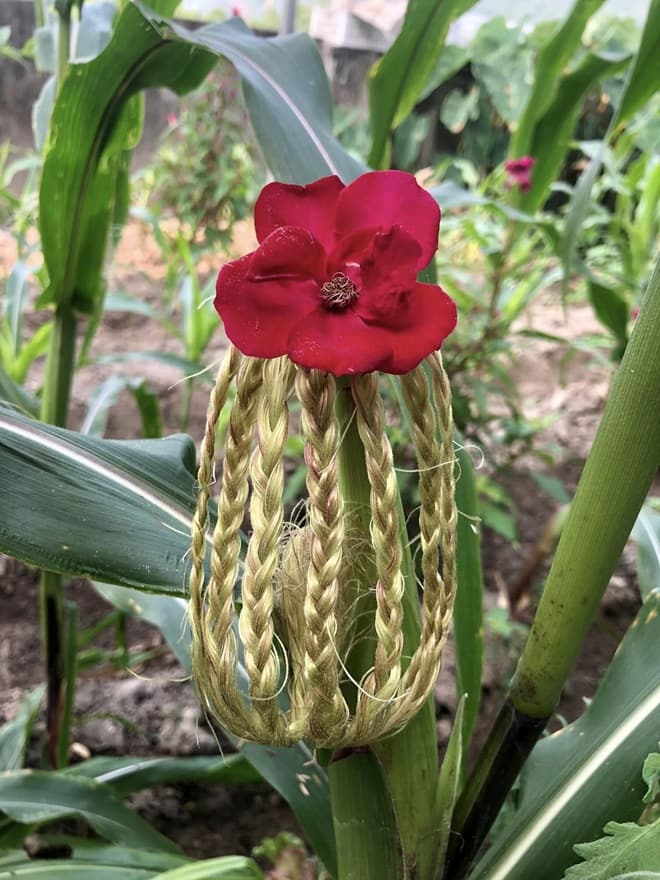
[155, 710]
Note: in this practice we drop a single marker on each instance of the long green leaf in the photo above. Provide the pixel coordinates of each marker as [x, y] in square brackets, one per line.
[642, 73]
[14, 394]
[36, 796]
[87, 859]
[127, 775]
[643, 79]
[288, 98]
[116, 510]
[588, 773]
[14, 734]
[225, 868]
[553, 129]
[292, 772]
[468, 608]
[552, 59]
[92, 124]
[398, 79]
[449, 783]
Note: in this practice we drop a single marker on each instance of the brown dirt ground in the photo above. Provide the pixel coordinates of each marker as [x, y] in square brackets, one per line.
[157, 713]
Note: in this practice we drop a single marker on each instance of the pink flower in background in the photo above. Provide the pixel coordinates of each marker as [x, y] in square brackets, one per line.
[171, 119]
[235, 10]
[519, 172]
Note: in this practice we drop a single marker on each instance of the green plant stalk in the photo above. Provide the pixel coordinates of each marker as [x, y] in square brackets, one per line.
[408, 760]
[70, 653]
[616, 478]
[54, 409]
[368, 844]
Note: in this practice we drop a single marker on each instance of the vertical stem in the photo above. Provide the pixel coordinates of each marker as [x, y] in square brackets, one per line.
[70, 661]
[408, 760]
[370, 850]
[616, 478]
[54, 408]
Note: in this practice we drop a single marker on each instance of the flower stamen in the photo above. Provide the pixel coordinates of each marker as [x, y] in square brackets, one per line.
[339, 293]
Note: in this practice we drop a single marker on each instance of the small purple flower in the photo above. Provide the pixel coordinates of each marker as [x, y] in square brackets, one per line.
[519, 172]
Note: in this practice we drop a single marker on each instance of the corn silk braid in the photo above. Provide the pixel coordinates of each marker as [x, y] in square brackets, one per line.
[215, 669]
[205, 478]
[256, 625]
[383, 682]
[328, 712]
[437, 524]
[295, 587]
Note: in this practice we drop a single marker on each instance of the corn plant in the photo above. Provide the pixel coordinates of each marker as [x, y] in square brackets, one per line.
[356, 758]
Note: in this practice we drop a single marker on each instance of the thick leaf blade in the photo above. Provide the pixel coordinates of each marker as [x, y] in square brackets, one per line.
[35, 796]
[589, 773]
[90, 128]
[116, 510]
[552, 59]
[288, 98]
[554, 128]
[643, 78]
[398, 79]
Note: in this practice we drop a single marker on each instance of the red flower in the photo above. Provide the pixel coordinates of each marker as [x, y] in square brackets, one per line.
[333, 283]
[519, 172]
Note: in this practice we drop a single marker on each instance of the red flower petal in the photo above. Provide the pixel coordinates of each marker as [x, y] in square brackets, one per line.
[426, 318]
[289, 252]
[311, 207]
[258, 314]
[388, 272]
[338, 342]
[380, 200]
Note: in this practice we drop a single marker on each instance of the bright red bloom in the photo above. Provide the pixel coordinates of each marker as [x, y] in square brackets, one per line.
[333, 283]
[519, 172]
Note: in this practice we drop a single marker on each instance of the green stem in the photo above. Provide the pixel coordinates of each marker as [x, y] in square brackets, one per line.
[54, 408]
[368, 844]
[616, 478]
[615, 481]
[59, 367]
[51, 638]
[70, 654]
[408, 761]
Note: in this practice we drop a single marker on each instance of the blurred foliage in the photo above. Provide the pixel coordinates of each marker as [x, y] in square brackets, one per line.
[208, 170]
[477, 94]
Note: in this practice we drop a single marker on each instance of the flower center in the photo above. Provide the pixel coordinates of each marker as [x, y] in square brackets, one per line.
[339, 293]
